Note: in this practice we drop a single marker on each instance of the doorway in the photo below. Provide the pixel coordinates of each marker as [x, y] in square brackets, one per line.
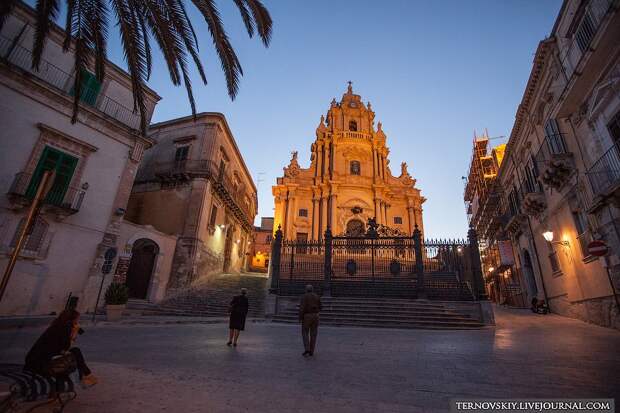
[143, 256]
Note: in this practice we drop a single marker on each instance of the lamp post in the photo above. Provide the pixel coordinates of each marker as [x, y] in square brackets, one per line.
[47, 180]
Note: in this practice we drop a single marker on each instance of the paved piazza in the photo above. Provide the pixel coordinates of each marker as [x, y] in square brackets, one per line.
[188, 368]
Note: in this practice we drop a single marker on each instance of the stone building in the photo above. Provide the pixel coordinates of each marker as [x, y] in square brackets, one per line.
[95, 160]
[348, 181]
[195, 185]
[559, 181]
[261, 245]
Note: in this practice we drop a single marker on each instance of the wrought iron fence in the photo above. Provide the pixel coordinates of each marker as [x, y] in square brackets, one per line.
[376, 266]
[21, 57]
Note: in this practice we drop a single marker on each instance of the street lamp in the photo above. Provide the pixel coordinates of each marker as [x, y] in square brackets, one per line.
[548, 236]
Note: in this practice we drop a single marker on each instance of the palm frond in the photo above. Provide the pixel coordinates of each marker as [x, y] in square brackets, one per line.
[155, 18]
[228, 58]
[262, 18]
[133, 48]
[47, 11]
[69, 21]
[178, 17]
[245, 15]
[6, 7]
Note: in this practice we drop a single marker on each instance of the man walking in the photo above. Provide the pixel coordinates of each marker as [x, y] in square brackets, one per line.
[309, 308]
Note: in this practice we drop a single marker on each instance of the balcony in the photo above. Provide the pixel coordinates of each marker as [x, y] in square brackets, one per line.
[604, 175]
[185, 170]
[353, 135]
[558, 162]
[592, 17]
[61, 200]
[21, 58]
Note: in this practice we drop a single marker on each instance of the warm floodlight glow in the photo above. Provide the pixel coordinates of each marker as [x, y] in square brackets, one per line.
[548, 235]
[491, 269]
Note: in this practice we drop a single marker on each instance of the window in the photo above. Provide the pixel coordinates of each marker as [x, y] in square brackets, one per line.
[90, 88]
[355, 168]
[585, 32]
[614, 128]
[181, 153]
[353, 126]
[34, 238]
[268, 239]
[554, 138]
[303, 212]
[398, 220]
[64, 166]
[213, 218]
[583, 235]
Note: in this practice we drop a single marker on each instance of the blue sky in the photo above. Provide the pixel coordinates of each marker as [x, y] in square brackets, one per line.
[433, 70]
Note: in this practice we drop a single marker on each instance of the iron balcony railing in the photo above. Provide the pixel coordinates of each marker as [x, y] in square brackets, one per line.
[592, 17]
[67, 198]
[176, 170]
[605, 173]
[21, 57]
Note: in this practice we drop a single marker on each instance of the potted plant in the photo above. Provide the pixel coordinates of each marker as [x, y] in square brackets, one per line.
[116, 297]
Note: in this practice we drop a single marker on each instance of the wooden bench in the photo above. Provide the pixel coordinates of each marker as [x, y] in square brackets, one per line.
[30, 392]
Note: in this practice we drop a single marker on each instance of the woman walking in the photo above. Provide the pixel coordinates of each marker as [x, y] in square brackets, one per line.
[238, 311]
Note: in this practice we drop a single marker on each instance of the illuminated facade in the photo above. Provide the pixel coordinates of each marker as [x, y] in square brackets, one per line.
[261, 245]
[349, 180]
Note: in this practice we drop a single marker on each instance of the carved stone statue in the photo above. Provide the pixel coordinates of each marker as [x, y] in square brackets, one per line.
[403, 169]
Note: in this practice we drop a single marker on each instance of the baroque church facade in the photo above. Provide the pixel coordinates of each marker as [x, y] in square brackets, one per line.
[349, 180]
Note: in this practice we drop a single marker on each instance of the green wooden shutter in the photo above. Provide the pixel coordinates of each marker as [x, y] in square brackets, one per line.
[90, 88]
[63, 164]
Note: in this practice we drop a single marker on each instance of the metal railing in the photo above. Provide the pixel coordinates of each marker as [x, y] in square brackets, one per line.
[605, 173]
[65, 197]
[185, 169]
[585, 32]
[21, 57]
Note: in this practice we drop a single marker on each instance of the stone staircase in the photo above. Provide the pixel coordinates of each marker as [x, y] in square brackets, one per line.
[388, 313]
[208, 299]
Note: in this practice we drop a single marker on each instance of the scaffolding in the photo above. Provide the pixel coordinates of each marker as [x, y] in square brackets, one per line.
[481, 176]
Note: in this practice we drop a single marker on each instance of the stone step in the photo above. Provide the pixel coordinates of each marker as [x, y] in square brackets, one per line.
[382, 318]
[433, 325]
[445, 313]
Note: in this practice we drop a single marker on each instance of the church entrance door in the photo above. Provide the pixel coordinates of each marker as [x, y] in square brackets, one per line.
[143, 255]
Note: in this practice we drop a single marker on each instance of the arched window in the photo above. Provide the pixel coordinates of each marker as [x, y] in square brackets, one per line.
[353, 125]
[355, 168]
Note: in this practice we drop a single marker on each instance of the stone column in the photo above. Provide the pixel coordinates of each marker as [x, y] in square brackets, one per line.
[374, 165]
[315, 217]
[411, 219]
[334, 215]
[378, 210]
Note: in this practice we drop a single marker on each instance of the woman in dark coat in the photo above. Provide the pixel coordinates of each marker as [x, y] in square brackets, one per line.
[56, 340]
[238, 311]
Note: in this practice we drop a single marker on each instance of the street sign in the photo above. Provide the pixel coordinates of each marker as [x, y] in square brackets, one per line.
[598, 248]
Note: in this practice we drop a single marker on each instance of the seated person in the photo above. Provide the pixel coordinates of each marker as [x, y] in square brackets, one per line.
[539, 306]
[56, 340]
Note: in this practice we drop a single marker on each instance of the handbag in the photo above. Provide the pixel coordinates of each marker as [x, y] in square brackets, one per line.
[62, 365]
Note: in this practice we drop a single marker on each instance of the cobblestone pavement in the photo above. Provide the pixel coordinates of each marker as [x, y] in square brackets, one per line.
[188, 368]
